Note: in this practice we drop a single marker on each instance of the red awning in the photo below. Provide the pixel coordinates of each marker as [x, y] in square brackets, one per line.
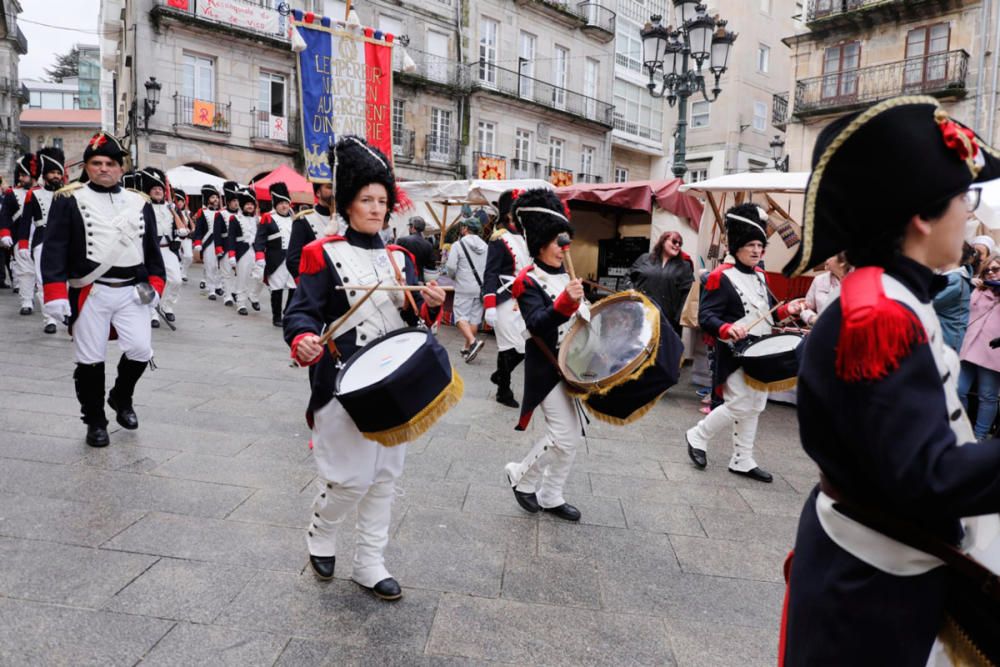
[300, 189]
[637, 196]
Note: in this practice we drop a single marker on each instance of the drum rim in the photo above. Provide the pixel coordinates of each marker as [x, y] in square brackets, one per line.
[740, 353]
[342, 371]
[626, 371]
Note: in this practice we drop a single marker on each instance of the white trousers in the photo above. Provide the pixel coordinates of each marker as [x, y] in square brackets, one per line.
[248, 288]
[228, 277]
[112, 306]
[354, 472]
[740, 412]
[510, 327]
[546, 478]
[39, 282]
[172, 288]
[210, 265]
[187, 256]
[24, 271]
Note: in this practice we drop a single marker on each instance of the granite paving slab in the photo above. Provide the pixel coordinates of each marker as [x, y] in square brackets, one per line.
[65, 521]
[190, 645]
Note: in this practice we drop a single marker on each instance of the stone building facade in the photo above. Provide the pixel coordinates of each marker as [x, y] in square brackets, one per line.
[13, 45]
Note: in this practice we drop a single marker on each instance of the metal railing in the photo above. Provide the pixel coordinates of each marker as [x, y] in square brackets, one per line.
[509, 82]
[823, 9]
[939, 74]
[779, 110]
[431, 68]
[526, 169]
[403, 143]
[442, 149]
[24, 94]
[248, 16]
[213, 116]
[21, 41]
[597, 16]
[264, 127]
[640, 11]
[589, 178]
[637, 129]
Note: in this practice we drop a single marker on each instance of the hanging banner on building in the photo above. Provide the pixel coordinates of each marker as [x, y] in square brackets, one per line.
[560, 177]
[490, 168]
[345, 86]
[278, 131]
[203, 113]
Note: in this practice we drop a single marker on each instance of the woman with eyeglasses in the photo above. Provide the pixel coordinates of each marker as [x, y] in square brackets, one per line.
[980, 363]
[664, 275]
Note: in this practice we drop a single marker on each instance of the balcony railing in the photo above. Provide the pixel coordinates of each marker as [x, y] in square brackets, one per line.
[21, 41]
[243, 17]
[430, 68]
[589, 178]
[403, 143]
[489, 158]
[509, 82]
[600, 21]
[24, 94]
[939, 74]
[560, 176]
[637, 129]
[849, 11]
[640, 10]
[212, 116]
[779, 110]
[279, 129]
[526, 169]
[442, 150]
[560, 10]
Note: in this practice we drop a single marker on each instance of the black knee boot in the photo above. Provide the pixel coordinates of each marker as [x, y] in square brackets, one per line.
[120, 398]
[507, 361]
[89, 381]
[291, 293]
[276, 307]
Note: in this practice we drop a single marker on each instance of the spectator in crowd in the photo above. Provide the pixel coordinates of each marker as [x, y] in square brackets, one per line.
[418, 246]
[984, 247]
[980, 363]
[825, 287]
[466, 265]
[664, 275]
[952, 303]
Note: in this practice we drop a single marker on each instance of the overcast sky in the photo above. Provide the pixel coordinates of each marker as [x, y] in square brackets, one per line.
[80, 16]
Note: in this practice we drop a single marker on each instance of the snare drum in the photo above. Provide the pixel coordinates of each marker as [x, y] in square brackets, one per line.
[770, 363]
[623, 359]
[398, 386]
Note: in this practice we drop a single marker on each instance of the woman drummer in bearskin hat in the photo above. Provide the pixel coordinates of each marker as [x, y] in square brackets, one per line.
[878, 407]
[354, 471]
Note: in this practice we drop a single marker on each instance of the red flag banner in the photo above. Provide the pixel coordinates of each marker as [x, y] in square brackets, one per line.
[560, 177]
[491, 168]
[203, 113]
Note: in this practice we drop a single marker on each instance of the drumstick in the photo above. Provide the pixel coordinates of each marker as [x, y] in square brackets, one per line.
[332, 329]
[396, 288]
[596, 285]
[564, 242]
[764, 316]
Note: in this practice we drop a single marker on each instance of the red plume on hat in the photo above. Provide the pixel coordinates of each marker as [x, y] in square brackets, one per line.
[403, 201]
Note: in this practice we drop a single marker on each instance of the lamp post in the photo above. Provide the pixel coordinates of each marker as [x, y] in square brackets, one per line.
[667, 52]
[777, 148]
[152, 99]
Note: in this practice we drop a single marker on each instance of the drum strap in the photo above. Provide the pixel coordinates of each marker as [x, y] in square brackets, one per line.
[913, 536]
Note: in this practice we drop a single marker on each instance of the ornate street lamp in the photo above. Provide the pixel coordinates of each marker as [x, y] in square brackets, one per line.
[777, 148]
[152, 99]
[666, 53]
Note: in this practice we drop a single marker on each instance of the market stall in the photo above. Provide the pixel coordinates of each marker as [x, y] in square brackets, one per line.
[300, 189]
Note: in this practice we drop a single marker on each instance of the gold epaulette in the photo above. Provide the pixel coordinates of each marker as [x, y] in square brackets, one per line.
[498, 233]
[69, 189]
[302, 214]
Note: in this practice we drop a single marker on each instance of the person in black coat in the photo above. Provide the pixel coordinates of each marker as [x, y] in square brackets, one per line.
[418, 246]
[664, 275]
[878, 408]
[309, 225]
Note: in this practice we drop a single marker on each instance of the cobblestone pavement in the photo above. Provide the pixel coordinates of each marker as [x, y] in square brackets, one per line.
[183, 543]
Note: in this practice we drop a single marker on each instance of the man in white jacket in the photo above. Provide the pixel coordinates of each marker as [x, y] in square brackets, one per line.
[466, 263]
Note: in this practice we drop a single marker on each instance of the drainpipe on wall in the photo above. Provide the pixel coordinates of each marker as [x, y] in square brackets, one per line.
[984, 40]
[993, 93]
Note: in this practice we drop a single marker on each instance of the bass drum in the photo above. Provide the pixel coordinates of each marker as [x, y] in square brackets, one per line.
[398, 386]
[770, 363]
[623, 359]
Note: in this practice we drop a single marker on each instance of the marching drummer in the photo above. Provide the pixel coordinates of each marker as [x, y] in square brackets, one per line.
[353, 471]
[550, 302]
[737, 303]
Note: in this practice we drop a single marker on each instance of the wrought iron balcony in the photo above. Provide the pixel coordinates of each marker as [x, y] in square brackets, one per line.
[589, 178]
[21, 42]
[493, 78]
[278, 129]
[241, 18]
[600, 21]
[940, 74]
[779, 110]
[858, 13]
[442, 150]
[403, 143]
[211, 116]
[526, 169]
[430, 69]
[560, 10]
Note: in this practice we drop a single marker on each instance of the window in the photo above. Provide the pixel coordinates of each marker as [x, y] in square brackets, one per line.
[488, 32]
[36, 99]
[398, 107]
[522, 155]
[57, 142]
[696, 174]
[763, 58]
[591, 73]
[840, 71]
[587, 159]
[272, 93]
[52, 100]
[556, 147]
[926, 55]
[636, 112]
[621, 175]
[199, 78]
[560, 74]
[389, 24]
[628, 44]
[526, 65]
[701, 113]
[759, 116]
[765, 6]
[437, 56]
[486, 137]
[439, 140]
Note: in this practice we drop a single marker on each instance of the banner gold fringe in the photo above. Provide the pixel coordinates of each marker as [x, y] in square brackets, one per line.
[780, 385]
[635, 415]
[961, 651]
[424, 419]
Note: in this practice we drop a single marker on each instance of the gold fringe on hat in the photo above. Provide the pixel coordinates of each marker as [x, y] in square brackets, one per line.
[425, 419]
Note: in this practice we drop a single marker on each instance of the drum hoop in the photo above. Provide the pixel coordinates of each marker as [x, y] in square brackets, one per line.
[740, 352]
[357, 355]
[652, 314]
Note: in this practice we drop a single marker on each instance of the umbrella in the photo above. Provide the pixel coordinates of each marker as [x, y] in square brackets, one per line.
[300, 189]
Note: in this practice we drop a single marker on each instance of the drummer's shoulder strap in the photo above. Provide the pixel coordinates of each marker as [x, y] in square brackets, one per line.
[714, 280]
[313, 260]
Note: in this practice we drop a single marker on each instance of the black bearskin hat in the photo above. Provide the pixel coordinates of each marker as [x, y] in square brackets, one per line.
[106, 145]
[206, 192]
[150, 177]
[279, 193]
[180, 194]
[920, 159]
[246, 196]
[503, 206]
[745, 223]
[130, 180]
[230, 191]
[358, 165]
[542, 217]
[51, 158]
[26, 164]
